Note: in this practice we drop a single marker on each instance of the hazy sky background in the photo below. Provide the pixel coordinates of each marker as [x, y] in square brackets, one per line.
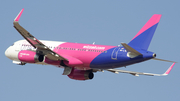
[107, 22]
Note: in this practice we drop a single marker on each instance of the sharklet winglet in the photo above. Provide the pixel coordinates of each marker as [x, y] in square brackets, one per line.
[169, 69]
[19, 15]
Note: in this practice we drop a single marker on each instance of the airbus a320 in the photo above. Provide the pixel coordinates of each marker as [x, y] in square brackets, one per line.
[80, 61]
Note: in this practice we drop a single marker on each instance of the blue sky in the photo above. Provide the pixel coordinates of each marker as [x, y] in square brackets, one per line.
[106, 22]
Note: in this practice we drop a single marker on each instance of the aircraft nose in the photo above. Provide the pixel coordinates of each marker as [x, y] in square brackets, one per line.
[7, 52]
[11, 53]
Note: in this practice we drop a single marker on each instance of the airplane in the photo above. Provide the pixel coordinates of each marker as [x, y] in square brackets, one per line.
[80, 61]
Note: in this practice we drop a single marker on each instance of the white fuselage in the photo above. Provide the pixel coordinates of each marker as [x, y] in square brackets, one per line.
[13, 51]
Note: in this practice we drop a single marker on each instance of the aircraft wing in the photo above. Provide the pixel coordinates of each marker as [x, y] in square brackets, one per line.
[35, 42]
[140, 73]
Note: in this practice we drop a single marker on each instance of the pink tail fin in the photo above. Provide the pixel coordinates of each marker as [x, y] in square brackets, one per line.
[143, 38]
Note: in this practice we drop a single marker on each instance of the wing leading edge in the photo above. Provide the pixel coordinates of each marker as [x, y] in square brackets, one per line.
[35, 42]
[141, 73]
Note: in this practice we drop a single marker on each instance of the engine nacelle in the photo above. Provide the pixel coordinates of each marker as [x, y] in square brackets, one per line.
[30, 56]
[81, 74]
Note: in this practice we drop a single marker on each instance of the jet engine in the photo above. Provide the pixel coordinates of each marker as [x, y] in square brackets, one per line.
[30, 56]
[81, 74]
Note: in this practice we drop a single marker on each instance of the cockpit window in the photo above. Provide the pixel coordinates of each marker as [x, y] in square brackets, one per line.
[12, 44]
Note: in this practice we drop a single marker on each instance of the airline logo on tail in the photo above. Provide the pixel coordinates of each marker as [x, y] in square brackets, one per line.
[144, 36]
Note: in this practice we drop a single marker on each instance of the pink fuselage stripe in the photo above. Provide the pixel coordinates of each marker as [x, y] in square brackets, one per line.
[152, 21]
[81, 52]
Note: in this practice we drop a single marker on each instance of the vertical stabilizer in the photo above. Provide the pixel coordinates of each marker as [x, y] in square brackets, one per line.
[143, 38]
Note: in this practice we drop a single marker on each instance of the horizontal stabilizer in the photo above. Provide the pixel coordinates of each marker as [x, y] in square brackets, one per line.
[140, 73]
[164, 60]
[133, 52]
